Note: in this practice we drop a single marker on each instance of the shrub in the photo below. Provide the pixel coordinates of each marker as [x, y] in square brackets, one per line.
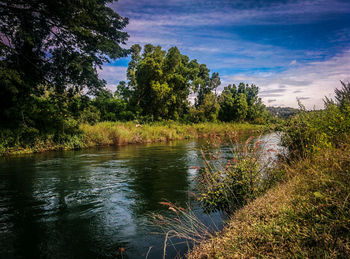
[241, 179]
[310, 131]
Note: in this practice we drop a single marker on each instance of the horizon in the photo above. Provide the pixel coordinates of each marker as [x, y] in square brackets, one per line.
[290, 49]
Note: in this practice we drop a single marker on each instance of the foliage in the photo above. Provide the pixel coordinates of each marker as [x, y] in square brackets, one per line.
[111, 108]
[207, 85]
[308, 132]
[241, 104]
[207, 110]
[30, 140]
[230, 186]
[342, 95]
[59, 44]
[282, 112]
[307, 216]
[160, 82]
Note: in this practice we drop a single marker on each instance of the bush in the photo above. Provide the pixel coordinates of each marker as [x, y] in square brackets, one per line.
[229, 187]
[310, 131]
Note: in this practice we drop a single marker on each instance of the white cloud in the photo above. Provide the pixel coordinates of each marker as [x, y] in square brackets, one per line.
[316, 80]
[112, 75]
[189, 13]
[293, 62]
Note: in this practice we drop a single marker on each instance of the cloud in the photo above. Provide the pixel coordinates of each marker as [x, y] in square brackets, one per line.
[271, 100]
[293, 45]
[273, 91]
[112, 75]
[303, 98]
[293, 62]
[315, 79]
[181, 22]
[149, 14]
[270, 95]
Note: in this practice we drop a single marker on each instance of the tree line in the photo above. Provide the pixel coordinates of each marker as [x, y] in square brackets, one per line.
[49, 55]
[160, 83]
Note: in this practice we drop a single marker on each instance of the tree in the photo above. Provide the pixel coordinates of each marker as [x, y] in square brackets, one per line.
[123, 91]
[241, 103]
[159, 82]
[59, 44]
[227, 102]
[208, 85]
[240, 109]
[342, 95]
[208, 110]
[110, 107]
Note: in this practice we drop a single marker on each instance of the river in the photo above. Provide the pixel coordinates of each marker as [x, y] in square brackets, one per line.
[93, 203]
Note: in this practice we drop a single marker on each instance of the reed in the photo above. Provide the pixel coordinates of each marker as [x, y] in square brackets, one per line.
[305, 216]
[121, 133]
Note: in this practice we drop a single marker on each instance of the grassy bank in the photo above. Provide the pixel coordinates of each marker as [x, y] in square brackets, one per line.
[118, 133]
[306, 216]
[306, 213]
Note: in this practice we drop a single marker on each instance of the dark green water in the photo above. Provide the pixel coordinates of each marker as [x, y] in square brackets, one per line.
[90, 203]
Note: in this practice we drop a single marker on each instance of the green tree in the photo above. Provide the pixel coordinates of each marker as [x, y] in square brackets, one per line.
[342, 95]
[240, 109]
[111, 108]
[59, 44]
[241, 103]
[159, 82]
[207, 86]
[208, 110]
[227, 103]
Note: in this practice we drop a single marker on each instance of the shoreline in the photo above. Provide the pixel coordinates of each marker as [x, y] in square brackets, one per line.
[286, 221]
[106, 134]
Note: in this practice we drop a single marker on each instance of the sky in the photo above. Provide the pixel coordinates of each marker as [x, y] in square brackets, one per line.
[290, 49]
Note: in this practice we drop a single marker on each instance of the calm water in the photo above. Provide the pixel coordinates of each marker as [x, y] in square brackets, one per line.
[90, 203]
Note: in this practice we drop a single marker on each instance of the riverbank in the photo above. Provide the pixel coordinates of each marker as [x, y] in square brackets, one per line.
[119, 133]
[307, 215]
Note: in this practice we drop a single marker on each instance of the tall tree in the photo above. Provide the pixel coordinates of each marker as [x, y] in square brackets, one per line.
[57, 43]
[208, 85]
[241, 103]
[160, 81]
[342, 95]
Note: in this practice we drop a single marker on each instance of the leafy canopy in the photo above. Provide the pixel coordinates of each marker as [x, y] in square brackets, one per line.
[57, 43]
[161, 81]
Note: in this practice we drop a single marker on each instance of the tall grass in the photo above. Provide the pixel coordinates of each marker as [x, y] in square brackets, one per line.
[230, 185]
[119, 133]
[310, 131]
[184, 226]
[115, 133]
[223, 185]
[308, 214]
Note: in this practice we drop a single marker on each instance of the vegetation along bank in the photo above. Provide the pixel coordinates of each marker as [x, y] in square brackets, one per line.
[306, 213]
[121, 133]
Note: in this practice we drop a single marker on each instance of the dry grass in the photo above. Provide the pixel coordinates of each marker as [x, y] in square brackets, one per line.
[117, 133]
[307, 216]
[121, 133]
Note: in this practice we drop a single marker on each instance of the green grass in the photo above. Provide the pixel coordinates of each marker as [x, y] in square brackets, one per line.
[114, 133]
[121, 133]
[306, 216]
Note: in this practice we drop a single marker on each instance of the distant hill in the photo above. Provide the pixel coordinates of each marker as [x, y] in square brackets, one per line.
[282, 112]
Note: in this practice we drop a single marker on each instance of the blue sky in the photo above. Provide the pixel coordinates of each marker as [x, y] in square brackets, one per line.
[290, 49]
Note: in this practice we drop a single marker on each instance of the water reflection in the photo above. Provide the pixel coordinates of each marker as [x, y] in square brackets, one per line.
[88, 204]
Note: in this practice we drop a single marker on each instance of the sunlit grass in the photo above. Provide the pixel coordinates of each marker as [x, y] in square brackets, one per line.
[116, 133]
[306, 216]
[121, 133]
